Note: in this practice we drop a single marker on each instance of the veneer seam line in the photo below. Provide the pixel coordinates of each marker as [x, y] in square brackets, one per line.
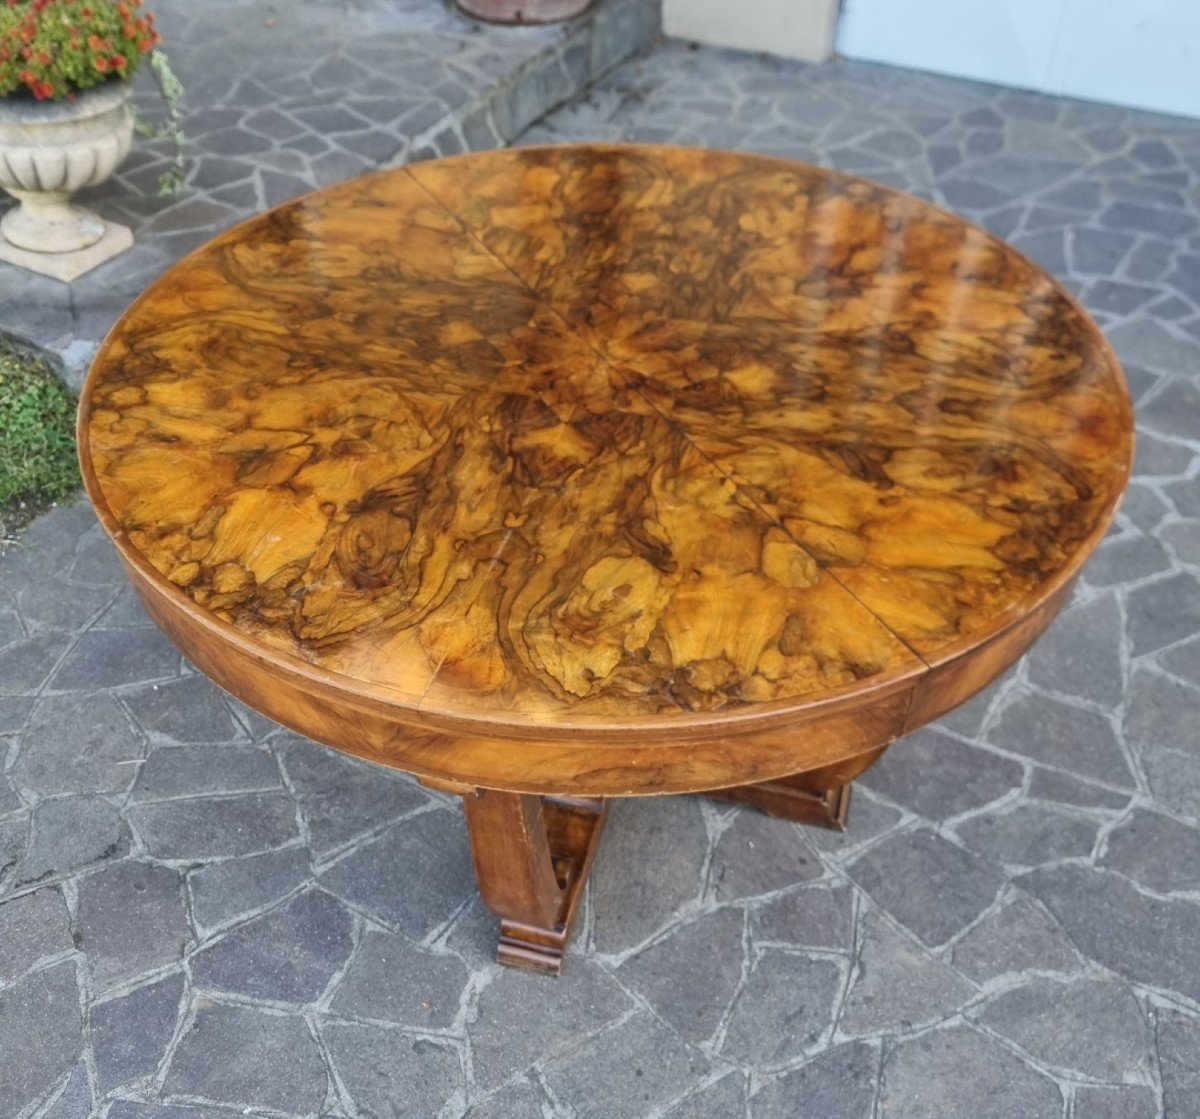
[604, 357]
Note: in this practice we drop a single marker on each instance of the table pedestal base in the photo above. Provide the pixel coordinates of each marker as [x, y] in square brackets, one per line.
[532, 855]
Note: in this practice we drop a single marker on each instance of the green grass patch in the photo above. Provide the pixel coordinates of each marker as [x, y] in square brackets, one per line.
[37, 438]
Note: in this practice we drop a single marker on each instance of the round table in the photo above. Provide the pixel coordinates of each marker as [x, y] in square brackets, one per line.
[560, 474]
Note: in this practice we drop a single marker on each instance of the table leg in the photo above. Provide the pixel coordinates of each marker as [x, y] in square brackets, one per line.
[532, 856]
[820, 797]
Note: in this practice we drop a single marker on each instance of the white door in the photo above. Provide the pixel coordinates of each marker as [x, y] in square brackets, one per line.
[1143, 53]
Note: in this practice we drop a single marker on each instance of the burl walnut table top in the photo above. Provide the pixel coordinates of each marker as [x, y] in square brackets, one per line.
[645, 451]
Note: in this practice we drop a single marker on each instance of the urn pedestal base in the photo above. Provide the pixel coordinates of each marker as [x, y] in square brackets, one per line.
[524, 11]
[69, 266]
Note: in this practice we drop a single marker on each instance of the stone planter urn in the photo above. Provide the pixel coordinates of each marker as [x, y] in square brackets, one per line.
[48, 151]
[524, 11]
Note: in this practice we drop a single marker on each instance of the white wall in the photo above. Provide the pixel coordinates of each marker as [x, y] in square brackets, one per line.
[1143, 53]
[801, 29]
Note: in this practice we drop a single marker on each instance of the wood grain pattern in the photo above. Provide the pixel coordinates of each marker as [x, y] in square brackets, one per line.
[605, 470]
[927, 413]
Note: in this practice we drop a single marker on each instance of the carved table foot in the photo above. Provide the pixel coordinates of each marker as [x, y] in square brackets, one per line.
[532, 856]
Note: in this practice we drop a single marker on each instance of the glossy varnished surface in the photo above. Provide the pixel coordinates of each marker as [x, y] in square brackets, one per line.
[921, 407]
[606, 438]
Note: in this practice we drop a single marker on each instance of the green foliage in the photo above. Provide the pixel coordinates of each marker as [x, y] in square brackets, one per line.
[171, 129]
[37, 436]
[55, 49]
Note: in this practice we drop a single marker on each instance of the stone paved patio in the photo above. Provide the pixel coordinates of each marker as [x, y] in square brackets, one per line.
[246, 922]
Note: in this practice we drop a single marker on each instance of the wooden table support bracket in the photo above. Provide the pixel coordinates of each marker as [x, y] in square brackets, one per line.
[791, 798]
[532, 856]
[817, 797]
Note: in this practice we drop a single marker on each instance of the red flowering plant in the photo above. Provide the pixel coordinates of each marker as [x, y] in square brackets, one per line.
[58, 49]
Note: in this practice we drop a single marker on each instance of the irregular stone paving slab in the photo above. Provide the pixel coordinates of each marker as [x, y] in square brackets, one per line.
[130, 1033]
[1062, 788]
[14, 710]
[41, 1035]
[1122, 559]
[1116, 1102]
[106, 658]
[1165, 611]
[236, 1054]
[181, 771]
[186, 710]
[69, 834]
[1178, 1037]
[200, 828]
[131, 919]
[75, 1099]
[94, 563]
[726, 1097]
[77, 744]
[381, 1067]
[634, 896]
[586, 1000]
[839, 1084]
[896, 986]
[123, 610]
[519, 1101]
[709, 951]
[756, 856]
[1016, 937]
[1030, 835]
[930, 1077]
[1159, 852]
[413, 877]
[26, 662]
[130, 1109]
[342, 797]
[233, 888]
[1161, 727]
[9, 801]
[815, 916]
[32, 926]
[11, 631]
[1147, 940]
[1081, 653]
[939, 776]
[1090, 1027]
[784, 1008]
[288, 955]
[392, 979]
[1184, 661]
[927, 883]
[14, 837]
[1183, 538]
[45, 602]
[1062, 735]
[638, 1064]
